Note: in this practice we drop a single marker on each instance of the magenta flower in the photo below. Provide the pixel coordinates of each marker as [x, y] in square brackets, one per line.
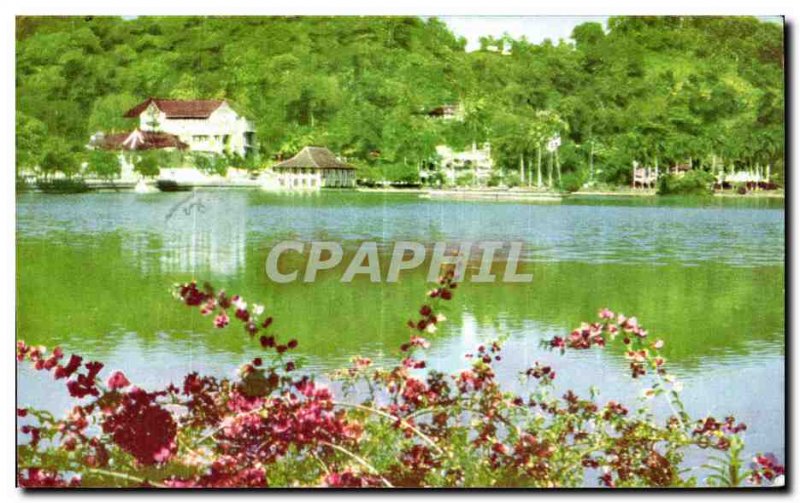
[117, 381]
[222, 320]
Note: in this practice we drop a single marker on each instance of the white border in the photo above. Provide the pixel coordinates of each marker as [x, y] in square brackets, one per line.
[351, 7]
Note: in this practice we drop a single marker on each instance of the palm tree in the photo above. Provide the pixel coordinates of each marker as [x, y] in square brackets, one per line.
[547, 125]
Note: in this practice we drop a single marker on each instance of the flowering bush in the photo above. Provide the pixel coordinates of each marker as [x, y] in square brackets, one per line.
[405, 426]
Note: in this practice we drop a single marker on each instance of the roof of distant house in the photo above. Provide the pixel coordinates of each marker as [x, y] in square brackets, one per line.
[314, 157]
[443, 110]
[178, 109]
[139, 140]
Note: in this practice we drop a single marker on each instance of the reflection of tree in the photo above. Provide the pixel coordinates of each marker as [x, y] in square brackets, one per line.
[689, 307]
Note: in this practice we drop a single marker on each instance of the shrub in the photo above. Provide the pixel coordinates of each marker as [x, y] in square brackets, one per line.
[572, 182]
[104, 164]
[211, 164]
[495, 179]
[694, 182]
[202, 162]
[466, 179]
[63, 186]
[512, 179]
[436, 178]
[398, 427]
[147, 164]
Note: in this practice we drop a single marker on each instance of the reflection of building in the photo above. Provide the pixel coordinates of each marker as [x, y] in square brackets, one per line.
[203, 233]
[312, 168]
[204, 125]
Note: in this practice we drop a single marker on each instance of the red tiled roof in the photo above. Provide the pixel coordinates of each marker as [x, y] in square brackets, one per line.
[178, 109]
[140, 140]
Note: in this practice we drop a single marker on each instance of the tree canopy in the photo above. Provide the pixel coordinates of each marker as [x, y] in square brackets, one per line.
[705, 90]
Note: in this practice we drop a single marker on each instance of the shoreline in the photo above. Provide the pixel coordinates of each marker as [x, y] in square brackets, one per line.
[492, 195]
[457, 194]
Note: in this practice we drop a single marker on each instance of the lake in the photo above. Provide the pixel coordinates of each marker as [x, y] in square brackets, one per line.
[707, 276]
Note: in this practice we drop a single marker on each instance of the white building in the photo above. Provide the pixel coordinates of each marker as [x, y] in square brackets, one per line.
[204, 125]
[311, 169]
[454, 164]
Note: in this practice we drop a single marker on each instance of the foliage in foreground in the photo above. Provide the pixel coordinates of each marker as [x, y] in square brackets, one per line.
[405, 426]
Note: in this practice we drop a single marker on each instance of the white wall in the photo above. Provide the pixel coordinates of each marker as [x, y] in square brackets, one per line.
[203, 135]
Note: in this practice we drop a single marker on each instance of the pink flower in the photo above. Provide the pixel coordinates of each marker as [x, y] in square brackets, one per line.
[222, 320]
[117, 381]
[631, 325]
[606, 314]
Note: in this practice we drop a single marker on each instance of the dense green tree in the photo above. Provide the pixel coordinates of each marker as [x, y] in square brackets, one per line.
[58, 158]
[147, 164]
[103, 164]
[655, 90]
[31, 136]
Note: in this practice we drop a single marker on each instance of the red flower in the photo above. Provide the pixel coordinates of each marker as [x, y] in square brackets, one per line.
[66, 371]
[349, 479]
[222, 320]
[117, 380]
[242, 314]
[36, 477]
[142, 428]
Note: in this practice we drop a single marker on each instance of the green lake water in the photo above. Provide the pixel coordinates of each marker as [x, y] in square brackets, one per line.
[707, 276]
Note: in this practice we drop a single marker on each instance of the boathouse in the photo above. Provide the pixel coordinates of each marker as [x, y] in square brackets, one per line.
[314, 168]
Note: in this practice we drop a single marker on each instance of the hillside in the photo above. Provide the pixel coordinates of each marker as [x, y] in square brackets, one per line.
[653, 90]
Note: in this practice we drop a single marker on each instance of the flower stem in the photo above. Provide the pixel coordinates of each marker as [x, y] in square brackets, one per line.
[421, 435]
[360, 461]
[125, 476]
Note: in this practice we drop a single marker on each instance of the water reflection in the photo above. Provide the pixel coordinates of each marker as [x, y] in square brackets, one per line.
[204, 232]
[94, 271]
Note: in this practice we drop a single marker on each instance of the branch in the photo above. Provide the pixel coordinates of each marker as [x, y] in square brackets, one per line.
[360, 461]
[125, 476]
[423, 436]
